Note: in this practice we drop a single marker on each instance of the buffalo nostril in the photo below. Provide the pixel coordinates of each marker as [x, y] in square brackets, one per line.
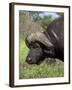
[29, 59]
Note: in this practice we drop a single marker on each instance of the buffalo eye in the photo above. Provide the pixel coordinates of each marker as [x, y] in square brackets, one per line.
[35, 45]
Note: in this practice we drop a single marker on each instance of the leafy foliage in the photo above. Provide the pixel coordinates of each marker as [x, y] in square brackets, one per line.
[45, 21]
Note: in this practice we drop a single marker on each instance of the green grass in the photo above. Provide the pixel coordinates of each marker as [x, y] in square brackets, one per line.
[23, 51]
[44, 70]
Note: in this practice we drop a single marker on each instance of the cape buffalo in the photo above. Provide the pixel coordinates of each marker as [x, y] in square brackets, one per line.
[49, 43]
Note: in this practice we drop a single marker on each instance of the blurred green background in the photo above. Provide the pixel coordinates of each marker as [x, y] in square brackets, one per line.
[32, 21]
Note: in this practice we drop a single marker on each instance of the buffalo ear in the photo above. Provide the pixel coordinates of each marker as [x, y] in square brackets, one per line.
[50, 52]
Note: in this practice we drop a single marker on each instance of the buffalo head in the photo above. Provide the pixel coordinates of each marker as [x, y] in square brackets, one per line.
[38, 44]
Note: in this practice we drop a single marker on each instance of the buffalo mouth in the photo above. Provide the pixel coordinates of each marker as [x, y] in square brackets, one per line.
[29, 61]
